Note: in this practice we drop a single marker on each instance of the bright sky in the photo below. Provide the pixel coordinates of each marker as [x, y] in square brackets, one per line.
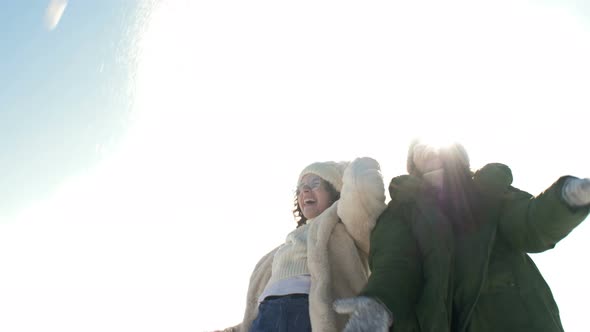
[150, 149]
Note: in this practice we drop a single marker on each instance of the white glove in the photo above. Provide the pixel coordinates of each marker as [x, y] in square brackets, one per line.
[576, 192]
[366, 314]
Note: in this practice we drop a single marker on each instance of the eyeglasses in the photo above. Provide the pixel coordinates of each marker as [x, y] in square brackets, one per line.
[312, 183]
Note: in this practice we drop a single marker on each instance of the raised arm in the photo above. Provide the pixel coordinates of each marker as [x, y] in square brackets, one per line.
[362, 199]
[535, 224]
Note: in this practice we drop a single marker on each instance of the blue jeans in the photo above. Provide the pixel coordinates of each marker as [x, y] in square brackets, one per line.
[289, 313]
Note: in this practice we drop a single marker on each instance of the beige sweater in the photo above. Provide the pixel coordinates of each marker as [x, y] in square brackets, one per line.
[290, 259]
[337, 249]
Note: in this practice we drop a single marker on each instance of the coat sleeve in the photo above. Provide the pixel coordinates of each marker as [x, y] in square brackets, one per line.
[362, 199]
[535, 224]
[395, 264]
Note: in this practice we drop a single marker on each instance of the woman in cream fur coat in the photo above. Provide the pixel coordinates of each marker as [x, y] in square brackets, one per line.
[292, 288]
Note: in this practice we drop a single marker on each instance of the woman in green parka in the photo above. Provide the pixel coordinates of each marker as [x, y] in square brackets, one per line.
[450, 251]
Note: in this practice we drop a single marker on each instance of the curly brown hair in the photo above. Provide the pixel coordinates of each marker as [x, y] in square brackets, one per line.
[298, 214]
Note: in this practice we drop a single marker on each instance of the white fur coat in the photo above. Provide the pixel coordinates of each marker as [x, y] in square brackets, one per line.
[337, 249]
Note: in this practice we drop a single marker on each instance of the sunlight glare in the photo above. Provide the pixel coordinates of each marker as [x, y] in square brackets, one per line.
[232, 101]
[54, 12]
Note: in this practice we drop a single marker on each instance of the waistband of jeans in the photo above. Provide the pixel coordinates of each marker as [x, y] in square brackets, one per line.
[288, 296]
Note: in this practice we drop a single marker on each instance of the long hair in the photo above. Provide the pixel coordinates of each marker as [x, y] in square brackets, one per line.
[298, 214]
[460, 199]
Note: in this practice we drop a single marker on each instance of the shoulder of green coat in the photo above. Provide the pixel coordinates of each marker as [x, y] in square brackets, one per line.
[493, 179]
[405, 188]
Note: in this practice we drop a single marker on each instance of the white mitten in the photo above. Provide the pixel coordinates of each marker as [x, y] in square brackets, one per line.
[576, 192]
[426, 158]
[427, 161]
[366, 314]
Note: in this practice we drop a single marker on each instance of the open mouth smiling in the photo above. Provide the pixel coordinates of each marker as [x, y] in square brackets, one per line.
[308, 201]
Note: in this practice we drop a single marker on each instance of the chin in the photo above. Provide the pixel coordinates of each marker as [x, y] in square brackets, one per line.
[311, 215]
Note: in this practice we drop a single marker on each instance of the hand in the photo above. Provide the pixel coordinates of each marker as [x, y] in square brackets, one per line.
[366, 314]
[426, 158]
[576, 192]
[427, 161]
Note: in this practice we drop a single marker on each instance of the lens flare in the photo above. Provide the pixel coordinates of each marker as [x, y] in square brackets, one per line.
[54, 13]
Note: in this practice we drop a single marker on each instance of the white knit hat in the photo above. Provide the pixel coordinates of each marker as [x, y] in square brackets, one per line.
[421, 152]
[329, 171]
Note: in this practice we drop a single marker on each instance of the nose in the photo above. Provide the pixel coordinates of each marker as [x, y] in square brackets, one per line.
[305, 188]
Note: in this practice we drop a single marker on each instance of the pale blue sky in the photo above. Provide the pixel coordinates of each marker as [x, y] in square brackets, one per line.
[62, 92]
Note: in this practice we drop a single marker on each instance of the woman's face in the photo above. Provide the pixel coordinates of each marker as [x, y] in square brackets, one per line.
[312, 196]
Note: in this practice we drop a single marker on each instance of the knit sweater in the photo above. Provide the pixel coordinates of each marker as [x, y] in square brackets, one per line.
[337, 249]
[290, 258]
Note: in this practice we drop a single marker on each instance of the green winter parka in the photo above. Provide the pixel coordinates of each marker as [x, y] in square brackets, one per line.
[436, 277]
[497, 286]
[410, 258]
